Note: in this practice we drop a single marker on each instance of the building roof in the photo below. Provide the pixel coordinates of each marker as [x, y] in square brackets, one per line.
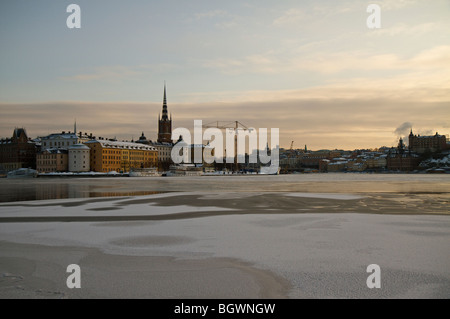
[19, 131]
[122, 145]
[60, 135]
[54, 151]
[161, 144]
[79, 147]
[437, 135]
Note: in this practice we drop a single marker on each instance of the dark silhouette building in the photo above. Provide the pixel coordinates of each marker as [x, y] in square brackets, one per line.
[401, 159]
[423, 144]
[165, 124]
[18, 151]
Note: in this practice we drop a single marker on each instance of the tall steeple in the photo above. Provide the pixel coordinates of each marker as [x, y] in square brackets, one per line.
[75, 127]
[165, 116]
[165, 124]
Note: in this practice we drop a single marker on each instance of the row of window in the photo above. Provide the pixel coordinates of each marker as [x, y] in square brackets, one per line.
[49, 169]
[123, 162]
[48, 162]
[48, 156]
[59, 144]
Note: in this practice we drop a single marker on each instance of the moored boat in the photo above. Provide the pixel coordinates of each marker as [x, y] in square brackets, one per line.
[22, 173]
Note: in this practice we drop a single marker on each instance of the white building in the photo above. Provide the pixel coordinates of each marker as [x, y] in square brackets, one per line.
[79, 158]
[164, 151]
[62, 140]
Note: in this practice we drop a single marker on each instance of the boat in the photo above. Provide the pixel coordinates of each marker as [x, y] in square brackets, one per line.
[22, 173]
[144, 172]
[185, 170]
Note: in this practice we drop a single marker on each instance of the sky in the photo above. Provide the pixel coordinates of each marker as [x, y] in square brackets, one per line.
[313, 69]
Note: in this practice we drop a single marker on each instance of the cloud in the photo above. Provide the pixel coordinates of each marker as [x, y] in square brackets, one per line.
[403, 129]
[328, 122]
[117, 73]
[109, 73]
[424, 76]
[329, 63]
[402, 29]
[395, 4]
[210, 14]
[289, 17]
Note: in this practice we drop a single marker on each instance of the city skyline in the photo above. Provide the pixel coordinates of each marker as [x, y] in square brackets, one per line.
[314, 70]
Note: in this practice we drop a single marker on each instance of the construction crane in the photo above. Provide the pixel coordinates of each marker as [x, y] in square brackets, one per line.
[223, 125]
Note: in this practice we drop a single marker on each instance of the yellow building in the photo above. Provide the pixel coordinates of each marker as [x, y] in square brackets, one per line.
[52, 161]
[108, 156]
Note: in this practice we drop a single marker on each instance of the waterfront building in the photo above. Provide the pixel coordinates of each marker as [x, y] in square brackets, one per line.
[402, 160]
[109, 156]
[52, 160]
[379, 162]
[164, 155]
[422, 144]
[79, 158]
[64, 140]
[164, 152]
[313, 159]
[18, 151]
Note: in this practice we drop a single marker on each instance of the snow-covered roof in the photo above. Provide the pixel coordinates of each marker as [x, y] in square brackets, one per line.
[123, 145]
[161, 144]
[54, 151]
[339, 163]
[60, 135]
[79, 147]
[429, 136]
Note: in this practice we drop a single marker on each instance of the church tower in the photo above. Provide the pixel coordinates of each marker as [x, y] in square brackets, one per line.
[165, 124]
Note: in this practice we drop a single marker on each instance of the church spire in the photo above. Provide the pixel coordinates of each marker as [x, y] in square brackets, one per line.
[164, 108]
[75, 127]
[164, 123]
